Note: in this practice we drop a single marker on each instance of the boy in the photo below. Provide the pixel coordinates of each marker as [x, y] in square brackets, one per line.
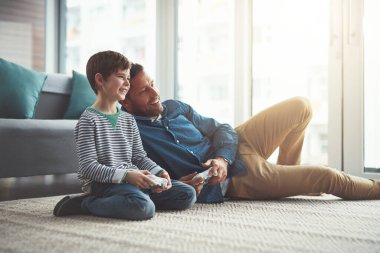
[113, 165]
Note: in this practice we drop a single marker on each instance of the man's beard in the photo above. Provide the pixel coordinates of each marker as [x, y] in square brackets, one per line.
[155, 112]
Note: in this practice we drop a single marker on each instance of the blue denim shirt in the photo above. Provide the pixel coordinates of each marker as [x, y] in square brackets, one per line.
[182, 139]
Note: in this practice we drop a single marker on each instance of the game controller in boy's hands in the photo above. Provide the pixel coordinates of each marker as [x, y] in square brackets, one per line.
[205, 175]
[159, 182]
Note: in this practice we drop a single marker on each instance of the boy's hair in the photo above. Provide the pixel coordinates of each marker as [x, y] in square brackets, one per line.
[135, 69]
[105, 63]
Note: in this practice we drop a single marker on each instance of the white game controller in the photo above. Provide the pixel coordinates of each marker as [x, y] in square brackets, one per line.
[159, 182]
[205, 175]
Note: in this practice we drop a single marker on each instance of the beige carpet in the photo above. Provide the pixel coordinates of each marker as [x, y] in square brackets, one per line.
[308, 224]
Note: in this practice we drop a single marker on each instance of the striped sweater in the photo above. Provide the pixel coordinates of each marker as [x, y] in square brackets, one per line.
[107, 152]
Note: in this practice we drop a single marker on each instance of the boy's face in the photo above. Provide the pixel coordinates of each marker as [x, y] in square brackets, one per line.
[116, 86]
[143, 98]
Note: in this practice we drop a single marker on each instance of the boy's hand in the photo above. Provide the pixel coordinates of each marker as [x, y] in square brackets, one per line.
[138, 179]
[164, 174]
[196, 183]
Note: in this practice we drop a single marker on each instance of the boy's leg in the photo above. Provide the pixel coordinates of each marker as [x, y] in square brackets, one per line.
[71, 205]
[264, 180]
[181, 196]
[122, 201]
[281, 125]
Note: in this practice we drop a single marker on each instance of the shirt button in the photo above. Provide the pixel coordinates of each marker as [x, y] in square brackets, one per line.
[177, 141]
[192, 152]
[167, 128]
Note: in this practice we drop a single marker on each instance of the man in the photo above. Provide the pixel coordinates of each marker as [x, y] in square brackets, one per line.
[185, 143]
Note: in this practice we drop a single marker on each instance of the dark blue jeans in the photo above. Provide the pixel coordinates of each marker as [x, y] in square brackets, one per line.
[125, 201]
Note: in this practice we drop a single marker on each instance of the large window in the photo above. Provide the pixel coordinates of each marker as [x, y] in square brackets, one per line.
[124, 26]
[290, 58]
[313, 48]
[205, 57]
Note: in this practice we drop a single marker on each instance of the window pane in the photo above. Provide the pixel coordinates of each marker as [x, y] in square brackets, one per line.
[22, 33]
[371, 85]
[205, 45]
[124, 26]
[290, 58]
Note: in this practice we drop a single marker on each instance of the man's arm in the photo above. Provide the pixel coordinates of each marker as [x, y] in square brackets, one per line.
[223, 139]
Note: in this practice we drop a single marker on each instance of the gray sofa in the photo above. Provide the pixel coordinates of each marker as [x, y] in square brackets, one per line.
[44, 145]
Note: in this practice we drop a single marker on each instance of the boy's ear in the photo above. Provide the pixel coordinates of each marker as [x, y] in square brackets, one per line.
[98, 80]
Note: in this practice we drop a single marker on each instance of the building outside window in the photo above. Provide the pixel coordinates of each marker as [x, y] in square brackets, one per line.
[124, 26]
[22, 33]
[291, 58]
[205, 57]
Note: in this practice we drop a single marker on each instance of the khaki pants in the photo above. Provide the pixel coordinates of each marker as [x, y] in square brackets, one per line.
[283, 125]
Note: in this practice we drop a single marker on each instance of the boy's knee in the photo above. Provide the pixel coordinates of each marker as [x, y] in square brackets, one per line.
[139, 209]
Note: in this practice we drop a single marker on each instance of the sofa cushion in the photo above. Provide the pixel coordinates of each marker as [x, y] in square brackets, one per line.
[54, 98]
[37, 147]
[81, 97]
[19, 90]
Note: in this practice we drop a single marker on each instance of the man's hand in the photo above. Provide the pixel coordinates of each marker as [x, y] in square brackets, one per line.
[196, 183]
[165, 175]
[139, 179]
[218, 164]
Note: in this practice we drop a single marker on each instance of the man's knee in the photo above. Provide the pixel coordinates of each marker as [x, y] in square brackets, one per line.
[329, 174]
[303, 105]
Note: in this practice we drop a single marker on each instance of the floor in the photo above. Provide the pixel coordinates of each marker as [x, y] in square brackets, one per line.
[38, 186]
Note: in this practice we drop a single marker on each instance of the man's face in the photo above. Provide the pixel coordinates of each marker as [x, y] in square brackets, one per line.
[143, 98]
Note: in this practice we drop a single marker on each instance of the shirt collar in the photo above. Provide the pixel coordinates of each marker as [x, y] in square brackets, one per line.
[161, 116]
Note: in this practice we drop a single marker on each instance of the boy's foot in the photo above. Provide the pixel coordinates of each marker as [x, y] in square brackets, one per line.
[70, 205]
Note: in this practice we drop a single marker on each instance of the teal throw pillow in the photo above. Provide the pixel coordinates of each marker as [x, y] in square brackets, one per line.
[20, 90]
[82, 96]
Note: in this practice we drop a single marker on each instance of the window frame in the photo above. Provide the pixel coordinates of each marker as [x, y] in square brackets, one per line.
[353, 90]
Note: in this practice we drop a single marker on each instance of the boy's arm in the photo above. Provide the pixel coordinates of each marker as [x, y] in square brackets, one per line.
[89, 167]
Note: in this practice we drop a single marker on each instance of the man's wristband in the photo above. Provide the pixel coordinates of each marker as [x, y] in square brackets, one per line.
[228, 161]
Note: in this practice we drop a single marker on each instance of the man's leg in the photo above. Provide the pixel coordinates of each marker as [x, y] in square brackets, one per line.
[281, 125]
[264, 180]
[122, 201]
[180, 197]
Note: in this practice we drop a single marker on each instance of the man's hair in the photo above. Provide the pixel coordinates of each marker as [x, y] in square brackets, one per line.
[135, 69]
[133, 72]
[105, 63]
